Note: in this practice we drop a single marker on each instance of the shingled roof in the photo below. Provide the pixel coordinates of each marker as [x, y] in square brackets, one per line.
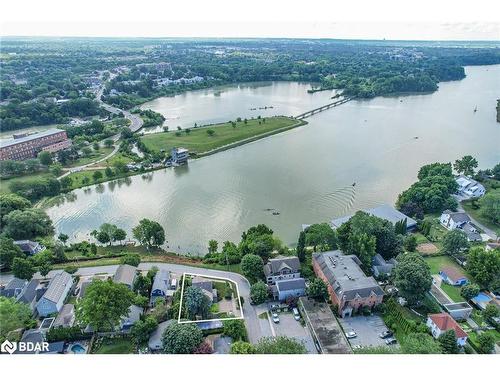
[445, 322]
[276, 265]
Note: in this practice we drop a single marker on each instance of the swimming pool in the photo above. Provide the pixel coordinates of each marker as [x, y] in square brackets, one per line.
[78, 349]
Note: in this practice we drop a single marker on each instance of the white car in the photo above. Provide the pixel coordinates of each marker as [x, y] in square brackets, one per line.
[351, 335]
[276, 318]
[296, 314]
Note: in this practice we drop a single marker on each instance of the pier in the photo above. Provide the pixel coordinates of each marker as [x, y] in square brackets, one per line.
[322, 108]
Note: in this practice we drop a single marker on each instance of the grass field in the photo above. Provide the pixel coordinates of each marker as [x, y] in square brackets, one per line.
[436, 263]
[122, 345]
[453, 292]
[4, 184]
[96, 155]
[199, 141]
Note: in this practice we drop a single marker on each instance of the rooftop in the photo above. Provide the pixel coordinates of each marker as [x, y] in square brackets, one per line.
[453, 273]
[45, 133]
[458, 217]
[125, 274]
[291, 284]
[57, 286]
[276, 265]
[445, 322]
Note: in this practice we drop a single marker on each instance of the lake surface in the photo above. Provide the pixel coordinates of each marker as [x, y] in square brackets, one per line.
[307, 173]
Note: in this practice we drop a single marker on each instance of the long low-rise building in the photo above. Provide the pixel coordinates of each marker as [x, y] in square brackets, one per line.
[27, 146]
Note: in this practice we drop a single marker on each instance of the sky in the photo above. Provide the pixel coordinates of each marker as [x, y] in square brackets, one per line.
[352, 19]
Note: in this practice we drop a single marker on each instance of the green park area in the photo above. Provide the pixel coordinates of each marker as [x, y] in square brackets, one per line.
[5, 183]
[206, 138]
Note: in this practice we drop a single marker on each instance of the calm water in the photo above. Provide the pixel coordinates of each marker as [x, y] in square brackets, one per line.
[306, 173]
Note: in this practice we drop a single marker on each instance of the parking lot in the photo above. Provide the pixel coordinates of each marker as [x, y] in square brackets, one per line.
[289, 327]
[367, 328]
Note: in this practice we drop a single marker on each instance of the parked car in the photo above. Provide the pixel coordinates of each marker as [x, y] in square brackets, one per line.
[386, 334]
[296, 313]
[357, 347]
[276, 318]
[351, 334]
[390, 341]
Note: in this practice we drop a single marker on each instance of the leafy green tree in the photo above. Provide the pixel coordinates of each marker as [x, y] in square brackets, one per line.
[410, 243]
[212, 246]
[211, 132]
[119, 235]
[142, 285]
[486, 342]
[484, 266]
[45, 268]
[490, 206]
[454, 242]
[104, 304]
[45, 158]
[469, 291]
[242, 347]
[235, 328]
[22, 268]
[182, 338]
[109, 172]
[230, 254]
[9, 251]
[258, 293]
[149, 233]
[448, 342]
[412, 277]
[142, 329]
[97, 175]
[252, 267]
[491, 311]
[466, 165]
[321, 236]
[301, 247]
[420, 343]
[11, 202]
[26, 224]
[13, 315]
[108, 143]
[197, 303]
[279, 345]
[132, 259]
[317, 289]
[262, 245]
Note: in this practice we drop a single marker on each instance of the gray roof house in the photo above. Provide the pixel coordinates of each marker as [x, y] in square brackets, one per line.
[282, 268]
[14, 288]
[29, 247]
[290, 288]
[207, 287]
[460, 220]
[31, 293]
[53, 299]
[382, 267]
[155, 339]
[134, 314]
[125, 274]
[160, 286]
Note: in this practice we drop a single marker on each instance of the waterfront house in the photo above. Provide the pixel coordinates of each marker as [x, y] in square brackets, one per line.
[453, 276]
[179, 155]
[125, 274]
[281, 268]
[31, 294]
[29, 247]
[206, 286]
[469, 188]
[440, 323]
[289, 288]
[53, 299]
[461, 221]
[348, 287]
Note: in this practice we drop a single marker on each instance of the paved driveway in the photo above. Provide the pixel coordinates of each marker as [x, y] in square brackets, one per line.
[368, 329]
[289, 327]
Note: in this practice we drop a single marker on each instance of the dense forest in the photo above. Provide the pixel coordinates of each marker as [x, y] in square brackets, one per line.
[46, 81]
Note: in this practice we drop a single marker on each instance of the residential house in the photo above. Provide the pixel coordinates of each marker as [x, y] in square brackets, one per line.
[53, 299]
[31, 294]
[160, 286]
[381, 267]
[453, 276]
[207, 287]
[134, 314]
[14, 288]
[349, 288]
[125, 274]
[461, 221]
[469, 188]
[66, 317]
[29, 247]
[282, 268]
[36, 338]
[289, 288]
[442, 322]
[155, 339]
[179, 155]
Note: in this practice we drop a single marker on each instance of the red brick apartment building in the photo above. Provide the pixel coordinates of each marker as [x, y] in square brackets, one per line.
[349, 288]
[28, 146]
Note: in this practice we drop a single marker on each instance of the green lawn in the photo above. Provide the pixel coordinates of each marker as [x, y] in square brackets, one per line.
[199, 141]
[436, 263]
[116, 346]
[96, 155]
[453, 292]
[4, 184]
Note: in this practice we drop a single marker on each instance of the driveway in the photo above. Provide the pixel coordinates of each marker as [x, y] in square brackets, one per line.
[367, 328]
[289, 327]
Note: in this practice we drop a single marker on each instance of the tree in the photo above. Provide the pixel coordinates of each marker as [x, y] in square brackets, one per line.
[490, 206]
[448, 342]
[490, 312]
[205, 347]
[9, 251]
[322, 236]
[104, 305]
[317, 289]
[364, 246]
[181, 338]
[410, 243]
[466, 165]
[242, 347]
[486, 342]
[484, 266]
[261, 245]
[252, 267]
[235, 328]
[27, 224]
[301, 247]
[22, 268]
[108, 172]
[420, 343]
[197, 303]
[454, 242]
[412, 277]
[45, 158]
[13, 315]
[63, 237]
[279, 345]
[97, 175]
[230, 254]
[212, 246]
[45, 268]
[210, 132]
[469, 291]
[108, 143]
[149, 233]
[142, 329]
[132, 259]
[11, 202]
[258, 293]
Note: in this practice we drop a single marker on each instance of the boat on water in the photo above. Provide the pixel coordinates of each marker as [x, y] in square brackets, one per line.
[275, 213]
[475, 109]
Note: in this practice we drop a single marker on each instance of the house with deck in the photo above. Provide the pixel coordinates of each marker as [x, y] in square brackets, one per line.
[469, 188]
[281, 268]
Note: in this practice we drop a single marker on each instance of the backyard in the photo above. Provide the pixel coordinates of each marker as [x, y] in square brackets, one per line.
[117, 345]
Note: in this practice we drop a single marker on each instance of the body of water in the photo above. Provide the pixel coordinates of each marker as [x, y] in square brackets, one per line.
[306, 174]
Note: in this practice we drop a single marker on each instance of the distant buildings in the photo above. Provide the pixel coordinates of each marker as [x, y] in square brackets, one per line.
[282, 268]
[349, 288]
[179, 155]
[469, 188]
[440, 323]
[28, 146]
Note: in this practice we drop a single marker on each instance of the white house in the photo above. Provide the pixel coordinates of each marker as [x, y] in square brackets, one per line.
[282, 268]
[440, 323]
[459, 220]
[469, 188]
[53, 299]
